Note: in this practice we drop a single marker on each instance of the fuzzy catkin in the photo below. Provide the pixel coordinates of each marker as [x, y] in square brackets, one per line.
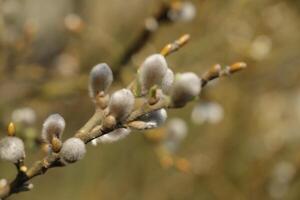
[121, 104]
[167, 81]
[152, 71]
[53, 126]
[101, 77]
[12, 149]
[186, 87]
[113, 136]
[73, 150]
[157, 117]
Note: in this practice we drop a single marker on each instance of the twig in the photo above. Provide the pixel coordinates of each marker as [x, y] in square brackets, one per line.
[98, 125]
[216, 71]
[160, 18]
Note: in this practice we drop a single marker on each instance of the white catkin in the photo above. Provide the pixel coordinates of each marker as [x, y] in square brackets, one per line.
[101, 77]
[113, 136]
[54, 125]
[157, 118]
[152, 71]
[186, 87]
[121, 104]
[167, 81]
[73, 150]
[12, 149]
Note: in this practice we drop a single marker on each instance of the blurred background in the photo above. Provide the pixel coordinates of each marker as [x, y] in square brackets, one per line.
[242, 137]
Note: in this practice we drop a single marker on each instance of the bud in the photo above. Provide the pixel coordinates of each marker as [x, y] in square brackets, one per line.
[53, 126]
[11, 129]
[186, 87]
[12, 149]
[73, 150]
[56, 144]
[121, 104]
[101, 78]
[113, 136]
[167, 81]
[152, 71]
[157, 117]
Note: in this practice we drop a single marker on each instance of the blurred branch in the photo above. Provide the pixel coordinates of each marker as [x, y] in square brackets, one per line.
[159, 18]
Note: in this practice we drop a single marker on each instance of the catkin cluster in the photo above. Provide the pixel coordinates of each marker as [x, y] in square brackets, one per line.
[155, 82]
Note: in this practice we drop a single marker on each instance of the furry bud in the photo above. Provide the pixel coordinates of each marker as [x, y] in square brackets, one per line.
[152, 71]
[186, 87]
[113, 136]
[121, 104]
[167, 81]
[73, 150]
[157, 117]
[12, 149]
[101, 78]
[53, 126]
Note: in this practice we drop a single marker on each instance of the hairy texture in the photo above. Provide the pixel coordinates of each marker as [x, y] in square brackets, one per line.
[113, 136]
[12, 149]
[157, 118]
[186, 87]
[167, 81]
[73, 150]
[152, 71]
[121, 104]
[53, 126]
[101, 78]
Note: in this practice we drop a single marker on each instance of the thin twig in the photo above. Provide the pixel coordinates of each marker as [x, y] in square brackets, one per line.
[161, 17]
[216, 71]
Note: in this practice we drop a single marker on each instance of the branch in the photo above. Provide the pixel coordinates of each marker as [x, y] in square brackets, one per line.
[159, 18]
[102, 123]
[216, 71]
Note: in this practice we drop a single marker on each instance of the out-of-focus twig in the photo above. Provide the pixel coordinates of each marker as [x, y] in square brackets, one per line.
[159, 18]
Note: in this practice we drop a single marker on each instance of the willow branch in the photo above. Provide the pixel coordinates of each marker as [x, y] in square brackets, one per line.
[96, 126]
[216, 71]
